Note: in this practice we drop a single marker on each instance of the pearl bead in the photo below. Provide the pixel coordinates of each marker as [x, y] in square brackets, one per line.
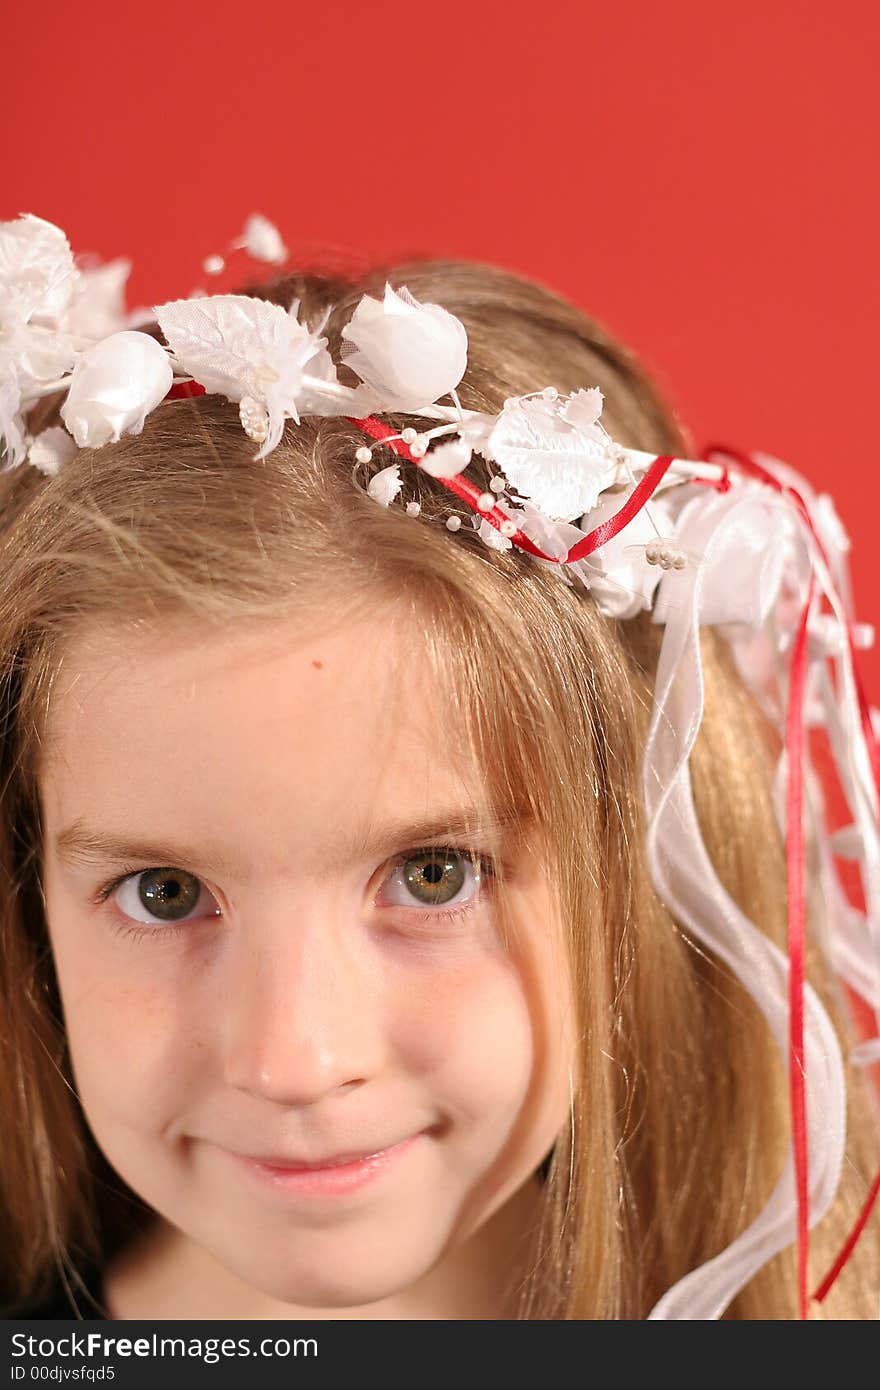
[680, 561]
[413, 508]
[453, 523]
[418, 449]
[497, 485]
[408, 435]
[508, 528]
[485, 501]
[254, 419]
[550, 393]
[212, 265]
[364, 454]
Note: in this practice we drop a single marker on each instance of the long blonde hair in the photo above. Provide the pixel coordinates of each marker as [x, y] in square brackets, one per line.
[679, 1118]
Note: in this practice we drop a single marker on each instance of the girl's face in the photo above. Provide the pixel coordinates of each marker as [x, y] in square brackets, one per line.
[306, 981]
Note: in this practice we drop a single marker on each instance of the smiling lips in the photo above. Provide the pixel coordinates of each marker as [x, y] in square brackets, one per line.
[297, 1165]
[334, 1177]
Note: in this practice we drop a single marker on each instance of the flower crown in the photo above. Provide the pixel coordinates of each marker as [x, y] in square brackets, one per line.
[559, 472]
[757, 559]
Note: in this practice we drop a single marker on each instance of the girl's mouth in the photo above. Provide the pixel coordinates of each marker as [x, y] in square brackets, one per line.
[331, 1179]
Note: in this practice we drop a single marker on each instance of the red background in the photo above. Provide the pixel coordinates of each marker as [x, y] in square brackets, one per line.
[700, 177]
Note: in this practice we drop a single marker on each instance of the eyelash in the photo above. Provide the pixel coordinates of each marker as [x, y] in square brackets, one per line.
[483, 862]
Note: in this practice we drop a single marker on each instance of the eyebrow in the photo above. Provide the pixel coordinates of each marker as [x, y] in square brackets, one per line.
[81, 844]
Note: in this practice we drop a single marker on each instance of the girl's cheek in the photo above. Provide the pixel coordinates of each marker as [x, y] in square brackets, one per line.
[125, 1042]
[469, 1036]
[126, 1026]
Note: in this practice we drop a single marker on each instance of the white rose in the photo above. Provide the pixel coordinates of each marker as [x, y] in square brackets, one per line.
[409, 353]
[114, 386]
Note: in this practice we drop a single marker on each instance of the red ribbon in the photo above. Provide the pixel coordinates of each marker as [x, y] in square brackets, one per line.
[182, 389]
[794, 848]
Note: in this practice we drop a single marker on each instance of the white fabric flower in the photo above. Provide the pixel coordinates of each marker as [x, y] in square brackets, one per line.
[97, 304]
[558, 466]
[554, 538]
[50, 311]
[37, 281]
[408, 354]
[757, 545]
[12, 430]
[618, 573]
[263, 240]
[492, 537]
[37, 271]
[447, 460]
[41, 354]
[115, 385]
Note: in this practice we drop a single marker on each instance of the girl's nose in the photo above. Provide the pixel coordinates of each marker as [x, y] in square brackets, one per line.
[302, 1018]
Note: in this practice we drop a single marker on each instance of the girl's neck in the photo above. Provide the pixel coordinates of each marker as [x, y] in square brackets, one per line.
[165, 1274]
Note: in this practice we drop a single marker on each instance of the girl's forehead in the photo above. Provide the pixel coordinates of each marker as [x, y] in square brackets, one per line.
[361, 667]
[347, 730]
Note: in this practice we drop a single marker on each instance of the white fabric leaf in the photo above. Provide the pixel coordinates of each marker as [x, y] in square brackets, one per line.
[583, 408]
[236, 346]
[114, 386]
[560, 468]
[51, 450]
[384, 486]
[410, 353]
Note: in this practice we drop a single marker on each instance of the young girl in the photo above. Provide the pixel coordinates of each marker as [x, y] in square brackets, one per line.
[350, 967]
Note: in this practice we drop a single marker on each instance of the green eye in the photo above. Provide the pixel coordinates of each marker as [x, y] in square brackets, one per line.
[149, 899]
[435, 876]
[167, 893]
